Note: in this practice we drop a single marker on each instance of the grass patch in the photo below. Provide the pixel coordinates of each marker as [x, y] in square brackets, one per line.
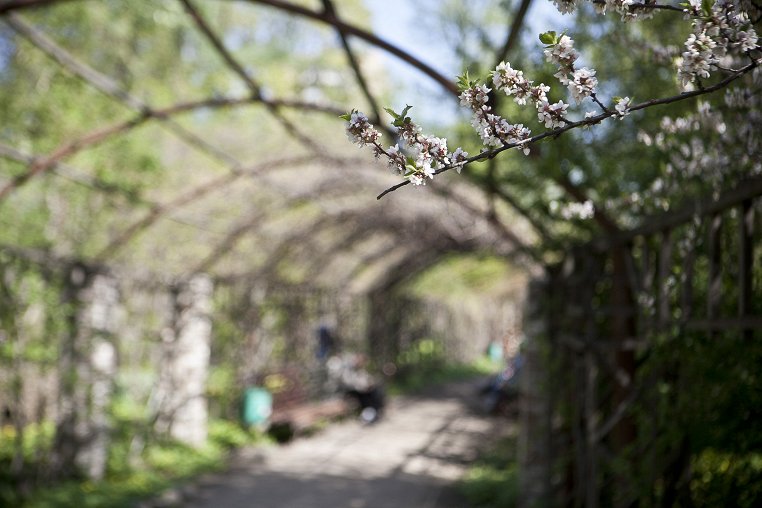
[420, 377]
[492, 482]
[423, 365]
[162, 464]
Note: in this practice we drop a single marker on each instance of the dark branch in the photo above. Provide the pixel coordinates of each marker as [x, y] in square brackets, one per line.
[501, 228]
[254, 87]
[348, 29]
[375, 110]
[44, 164]
[514, 31]
[16, 5]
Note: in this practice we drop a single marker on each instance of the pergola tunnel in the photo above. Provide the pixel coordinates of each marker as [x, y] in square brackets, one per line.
[178, 350]
[190, 247]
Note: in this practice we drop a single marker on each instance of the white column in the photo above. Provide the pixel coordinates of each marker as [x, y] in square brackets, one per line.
[185, 363]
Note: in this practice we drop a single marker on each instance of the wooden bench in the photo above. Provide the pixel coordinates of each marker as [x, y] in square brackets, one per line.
[296, 408]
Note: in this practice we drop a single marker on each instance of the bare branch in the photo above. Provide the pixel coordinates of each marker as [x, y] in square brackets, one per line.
[99, 81]
[348, 29]
[106, 85]
[646, 6]
[255, 89]
[238, 232]
[514, 31]
[70, 174]
[111, 88]
[49, 162]
[201, 190]
[80, 178]
[15, 5]
[215, 41]
[375, 110]
[506, 233]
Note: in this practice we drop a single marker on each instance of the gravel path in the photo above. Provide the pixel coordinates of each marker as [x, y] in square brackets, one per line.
[408, 460]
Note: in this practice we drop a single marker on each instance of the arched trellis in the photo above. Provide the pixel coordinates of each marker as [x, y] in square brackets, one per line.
[355, 211]
[109, 87]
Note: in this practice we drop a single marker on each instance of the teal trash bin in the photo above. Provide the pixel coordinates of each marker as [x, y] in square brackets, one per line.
[495, 352]
[257, 406]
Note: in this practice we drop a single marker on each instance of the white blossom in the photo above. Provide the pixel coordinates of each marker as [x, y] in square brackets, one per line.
[622, 107]
[396, 158]
[360, 131]
[565, 6]
[722, 38]
[697, 59]
[539, 93]
[582, 84]
[458, 158]
[584, 210]
[475, 97]
[512, 82]
[551, 114]
[563, 53]
[518, 134]
[746, 40]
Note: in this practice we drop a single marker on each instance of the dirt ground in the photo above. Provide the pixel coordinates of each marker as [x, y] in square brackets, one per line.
[410, 459]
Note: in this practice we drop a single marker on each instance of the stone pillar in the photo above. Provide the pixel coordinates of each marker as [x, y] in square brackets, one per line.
[185, 363]
[87, 368]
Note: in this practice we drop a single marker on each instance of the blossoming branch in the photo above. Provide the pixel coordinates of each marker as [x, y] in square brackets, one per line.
[722, 38]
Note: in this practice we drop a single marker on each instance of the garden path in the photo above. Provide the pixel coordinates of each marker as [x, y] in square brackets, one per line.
[410, 459]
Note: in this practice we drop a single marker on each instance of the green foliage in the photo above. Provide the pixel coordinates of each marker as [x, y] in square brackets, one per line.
[230, 435]
[726, 479]
[465, 82]
[36, 437]
[492, 482]
[163, 464]
[549, 38]
[423, 365]
[400, 119]
[456, 277]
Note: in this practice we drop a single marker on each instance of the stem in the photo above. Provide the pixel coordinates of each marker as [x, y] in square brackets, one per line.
[602, 106]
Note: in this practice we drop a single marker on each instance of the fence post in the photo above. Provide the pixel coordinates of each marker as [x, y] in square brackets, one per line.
[534, 445]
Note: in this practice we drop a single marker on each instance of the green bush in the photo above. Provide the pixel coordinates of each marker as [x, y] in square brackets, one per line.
[725, 479]
[162, 464]
[492, 482]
